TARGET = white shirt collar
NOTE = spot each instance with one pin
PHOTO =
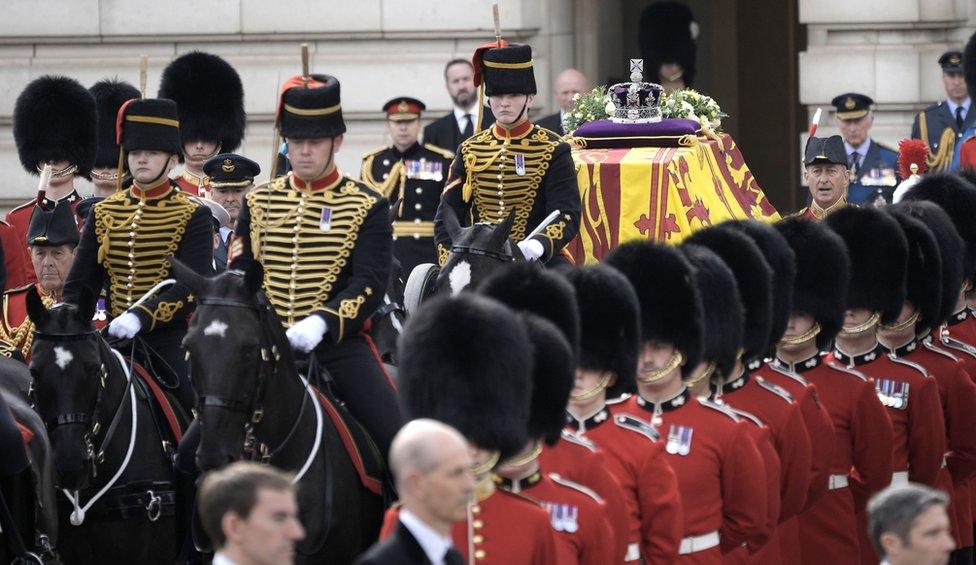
(863, 149)
(435, 545)
(459, 116)
(220, 558)
(965, 106)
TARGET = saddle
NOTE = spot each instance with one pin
(363, 453)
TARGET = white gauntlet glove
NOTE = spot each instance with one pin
(306, 334)
(531, 248)
(125, 326)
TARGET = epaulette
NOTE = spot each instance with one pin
(374, 152)
(793, 375)
(747, 415)
(482, 135)
(799, 213)
(620, 399)
(29, 203)
(843, 369)
(959, 345)
(19, 289)
(439, 150)
(911, 364)
(556, 478)
(553, 136)
(362, 185)
(938, 350)
(719, 408)
(570, 437)
(636, 425)
(775, 389)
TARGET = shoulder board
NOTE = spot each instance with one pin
(938, 350)
(439, 150)
(911, 364)
(635, 425)
(482, 135)
(959, 345)
(553, 136)
(748, 416)
(775, 389)
(799, 213)
(19, 289)
(885, 147)
(842, 369)
(719, 408)
(276, 183)
(620, 399)
(376, 151)
(795, 376)
(28, 204)
(556, 478)
(364, 186)
(570, 437)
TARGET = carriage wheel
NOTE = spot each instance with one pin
(420, 285)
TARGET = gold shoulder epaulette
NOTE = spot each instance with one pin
(376, 151)
(18, 289)
(439, 150)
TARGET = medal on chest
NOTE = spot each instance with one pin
(424, 170)
(519, 164)
(893, 394)
(679, 440)
(325, 221)
(563, 517)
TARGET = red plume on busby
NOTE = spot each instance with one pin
(912, 152)
(553, 374)
(55, 120)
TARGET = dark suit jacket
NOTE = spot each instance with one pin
(444, 133)
(938, 118)
(879, 171)
(552, 122)
(400, 548)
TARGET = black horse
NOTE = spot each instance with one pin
(252, 400)
(386, 324)
(110, 456)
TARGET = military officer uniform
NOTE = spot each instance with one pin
(209, 96)
(874, 165)
(234, 172)
(823, 150)
(522, 169)
(129, 237)
(413, 181)
(942, 124)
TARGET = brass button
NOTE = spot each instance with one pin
(478, 538)
(479, 554)
(477, 524)
(475, 509)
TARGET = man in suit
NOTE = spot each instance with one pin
(873, 166)
(449, 131)
(230, 177)
(568, 83)
(942, 124)
(910, 524)
(432, 468)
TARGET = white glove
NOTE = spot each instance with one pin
(306, 334)
(531, 248)
(125, 326)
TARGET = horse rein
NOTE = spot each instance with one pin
(496, 255)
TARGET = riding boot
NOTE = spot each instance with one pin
(186, 474)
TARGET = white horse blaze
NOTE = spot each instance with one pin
(217, 328)
(62, 357)
(460, 277)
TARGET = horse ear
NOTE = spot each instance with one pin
(500, 234)
(86, 305)
(451, 222)
(253, 277)
(196, 282)
(36, 310)
(394, 208)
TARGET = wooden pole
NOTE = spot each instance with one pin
(143, 71)
(498, 25)
(305, 75)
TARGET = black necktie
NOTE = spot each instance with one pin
(854, 161)
(453, 557)
(468, 127)
(959, 117)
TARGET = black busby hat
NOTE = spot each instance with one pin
(754, 277)
(670, 305)
(553, 374)
(851, 105)
(55, 120)
(527, 287)
(823, 270)
(879, 255)
(467, 361)
(230, 170)
(149, 124)
(667, 34)
(209, 97)
(55, 227)
(924, 272)
(505, 70)
(310, 109)
(951, 250)
(109, 95)
(969, 65)
(609, 324)
(403, 109)
(825, 150)
(724, 317)
(777, 252)
(958, 198)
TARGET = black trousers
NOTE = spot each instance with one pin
(168, 361)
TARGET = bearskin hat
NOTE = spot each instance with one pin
(777, 252)
(957, 197)
(209, 97)
(724, 317)
(924, 273)
(553, 375)
(879, 256)
(527, 287)
(109, 96)
(55, 120)
(670, 304)
(667, 35)
(951, 249)
(823, 272)
(754, 277)
(609, 324)
(969, 65)
(467, 361)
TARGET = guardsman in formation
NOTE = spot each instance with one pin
(54, 124)
(721, 473)
(942, 124)
(324, 241)
(129, 237)
(109, 96)
(451, 371)
(873, 166)
(826, 175)
(513, 167)
(231, 177)
(412, 177)
(210, 99)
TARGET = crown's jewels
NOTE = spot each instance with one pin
(636, 102)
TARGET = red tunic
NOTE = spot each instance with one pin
(650, 487)
(577, 515)
(579, 460)
(19, 220)
(719, 468)
(18, 268)
(193, 185)
(967, 154)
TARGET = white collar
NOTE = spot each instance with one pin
(220, 558)
(952, 106)
(863, 149)
(435, 545)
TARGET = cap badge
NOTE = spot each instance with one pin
(954, 60)
(228, 165)
(403, 106)
(849, 103)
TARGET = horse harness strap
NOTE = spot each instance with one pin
(497, 255)
(386, 309)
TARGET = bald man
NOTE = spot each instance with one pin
(431, 464)
(568, 83)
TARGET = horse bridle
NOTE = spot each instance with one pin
(496, 255)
